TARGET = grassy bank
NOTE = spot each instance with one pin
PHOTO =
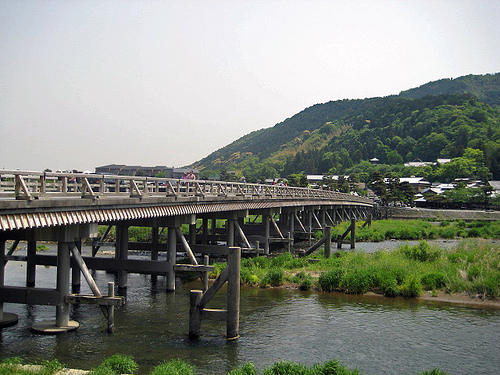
(472, 267)
(120, 364)
(382, 230)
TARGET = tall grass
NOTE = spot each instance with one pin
(382, 230)
(472, 267)
(13, 366)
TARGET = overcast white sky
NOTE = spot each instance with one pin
(89, 83)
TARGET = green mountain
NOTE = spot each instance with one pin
(440, 119)
(485, 87)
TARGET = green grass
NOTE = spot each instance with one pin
(473, 267)
(118, 362)
(14, 366)
(382, 230)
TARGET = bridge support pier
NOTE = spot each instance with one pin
(199, 299)
(62, 322)
(121, 253)
(31, 265)
(171, 257)
(6, 319)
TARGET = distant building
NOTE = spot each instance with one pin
(496, 188)
(417, 183)
(137, 170)
(419, 163)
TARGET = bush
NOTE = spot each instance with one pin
(435, 371)
(51, 367)
(120, 364)
(422, 252)
(411, 287)
(248, 277)
(287, 368)
(330, 280)
(306, 284)
(356, 281)
(332, 367)
(173, 367)
(274, 277)
(433, 280)
(391, 289)
(246, 369)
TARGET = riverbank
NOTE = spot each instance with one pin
(415, 213)
(467, 273)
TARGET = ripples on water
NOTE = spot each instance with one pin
(374, 334)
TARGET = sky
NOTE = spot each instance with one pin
(144, 82)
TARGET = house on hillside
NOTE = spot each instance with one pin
(496, 188)
(417, 183)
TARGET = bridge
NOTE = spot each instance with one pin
(67, 208)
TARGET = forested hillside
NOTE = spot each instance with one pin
(441, 119)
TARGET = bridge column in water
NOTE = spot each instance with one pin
(121, 253)
(171, 257)
(6, 319)
(66, 237)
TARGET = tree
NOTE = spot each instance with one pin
(379, 187)
(297, 179)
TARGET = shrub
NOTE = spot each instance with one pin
(286, 368)
(435, 371)
(356, 281)
(121, 364)
(306, 284)
(173, 367)
(51, 367)
(448, 232)
(422, 252)
(332, 367)
(330, 280)
(248, 277)
(246, 369)
(486, 285)
(411, 287)
(274, 277)
(433, 280)
(391, 289)
(102, 370)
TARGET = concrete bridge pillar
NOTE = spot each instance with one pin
(2, 273)
(171, 258)
(31, 265)
(204, 230)
(76, 275)
(121, 253)
(266, 221)
(6, 319)
(230, 231)
(192, 234)
(62, 283)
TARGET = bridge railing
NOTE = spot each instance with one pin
(23, 185)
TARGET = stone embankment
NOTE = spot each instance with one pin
(434, 214)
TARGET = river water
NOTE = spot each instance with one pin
(373, 334)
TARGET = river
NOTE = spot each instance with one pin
(373, 334)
